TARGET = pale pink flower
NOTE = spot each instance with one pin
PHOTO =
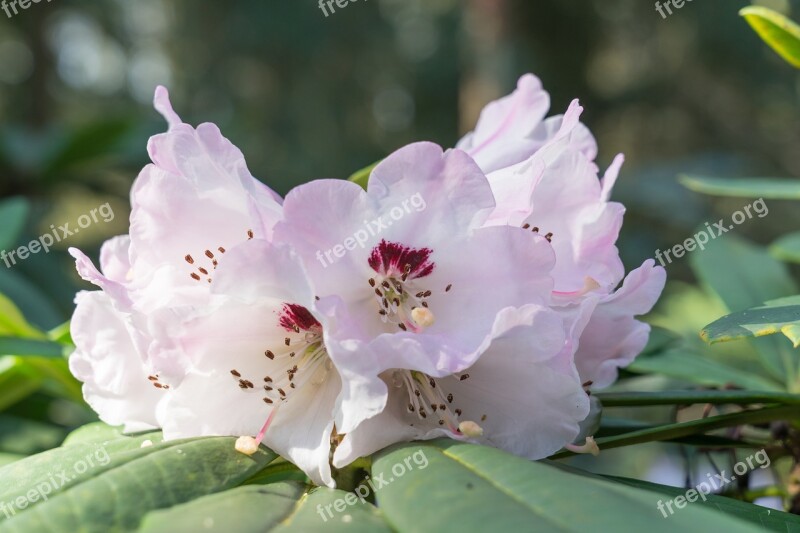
(423, 294)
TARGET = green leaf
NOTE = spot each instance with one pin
(780, 33)
(22, 436)
(16, 381)
(768, 519)
(475, 488)
(669, 432)
(31, 347)
(279, 507)
(111, 486)
(787, 248)
(690, 397)
(776, 316)
(31, 300)
(768, 188)
(91, 142)
(13, 214)
(694, 367)
(93, 433)
(13, 323)
(361, 177)
(744, 275)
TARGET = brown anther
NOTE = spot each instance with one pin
(287, 341)
(465, 376)
(195, 276)
(402, 326)
(221, 250)
(450, 398)
(267, 400)
(458, 412)
(203, 271)
(269, 354)
(250, 234)
(448, 288)
(189, 259)
(371, 282)
(432, 382)
(549, 237)
(236, 373)
(152, 378)
(526, 226)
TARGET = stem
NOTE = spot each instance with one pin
(684, 429)
(716, 397)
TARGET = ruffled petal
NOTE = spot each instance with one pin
(613, 337)
(114, 374)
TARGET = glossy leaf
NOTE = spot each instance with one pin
(475, 487)
(284, 506)
(695, 367)
(776, 316)
(787, 248)
(122, 482)
(767, 188)
(744, 275)
(780, 33)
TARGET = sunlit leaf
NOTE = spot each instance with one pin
(780, 33)
(776, 316)
(767, 188)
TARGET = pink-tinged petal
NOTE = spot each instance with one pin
(115, 259)
(452, 186)
(302, 430)
(613, 337)
(464, 315)
(519, 392)
(611, 175)
(196, 200)
(163, 105)
(113, 372)
(86, 269)
(566, 199)
(580, 137)
(502, 135)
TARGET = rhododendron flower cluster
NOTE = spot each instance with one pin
(487, 316)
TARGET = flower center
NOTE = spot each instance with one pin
(299, 360)
(427, 398)
(401, 296)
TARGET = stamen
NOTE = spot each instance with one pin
(423, 317)
(470, 429)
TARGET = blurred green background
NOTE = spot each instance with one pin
(308, 96)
